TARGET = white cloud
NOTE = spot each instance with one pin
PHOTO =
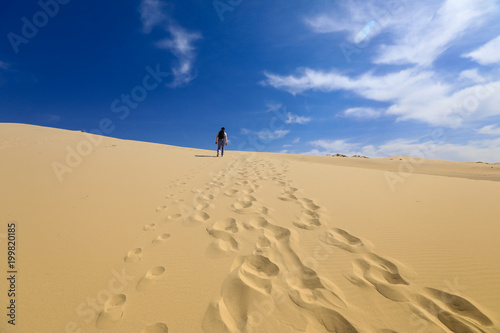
(423, 35)
(380, 88)
(479, 150)
(294, 119)
(266, 134)
(334, 146)
(489, 129)
(4, 65)
(454, 109)
(310, 79)
(487, 54)
(472, 75)
(296, 140)
(180, 43)
(325, 24)
(419, 32)
(484, 150)
(274, 107)
(414, 94)
(151, 14)
(368, 20)
(362, 113)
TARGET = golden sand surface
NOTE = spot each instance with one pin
(122, 236)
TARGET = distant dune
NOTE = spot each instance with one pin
(123, 236)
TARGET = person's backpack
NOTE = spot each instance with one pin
(221, 135)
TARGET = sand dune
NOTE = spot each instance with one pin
(123, 236)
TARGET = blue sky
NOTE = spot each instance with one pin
(375, 78)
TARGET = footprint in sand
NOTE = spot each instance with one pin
(288, 194)
(202, 206)
(260, 266)
(307, 222)
(460, 306)
(160, 239)
(455, 323)
(200, 217)
(173, 216)
(248, 198)
(149, 227)
(377, 278)
(230, 192)
(254, 223)
(223, 245)
(155, 328)
(279, 233)
(389, 270)
(228, 224)
(134, 255)
(310, 205)
(287, 197)
(208, 197)
(343, 240)
(112, 311)
(150, 278)
(224, 242)
(248, 204)
(160, 208)
(263, 243)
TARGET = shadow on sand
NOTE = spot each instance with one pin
(204, 156)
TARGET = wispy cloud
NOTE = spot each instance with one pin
(180, 41)
(181, 44)
(266, 134)
(473, 150)
(487, 54)
(362, 113)
(334, 146)
(309, 79)
(413, 94)
(272, 135)
(422, 36)
(151, 14)
(416, 35)
(352, 19)
(489, 130)
(295, 119)
(473, 75)
(4, 65)
(418, 32)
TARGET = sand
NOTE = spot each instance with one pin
(123, 236)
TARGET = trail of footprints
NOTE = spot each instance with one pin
(274, 278)
(114, 308)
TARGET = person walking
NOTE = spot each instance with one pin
(221, 141)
